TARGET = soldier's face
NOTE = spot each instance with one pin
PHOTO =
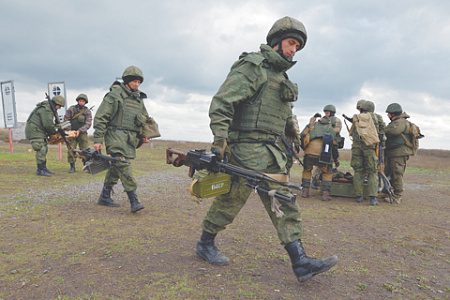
(327, 113)
(81, 102)
(134, 84)
(290, 46)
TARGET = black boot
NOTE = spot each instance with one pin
(306, 267)
(105, 197)
(41, 171)
(135, 204)
(207, 250)
(374, 201)
(359, 199)
(72, 168)
(48, 171)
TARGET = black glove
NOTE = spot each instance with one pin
(317, 115)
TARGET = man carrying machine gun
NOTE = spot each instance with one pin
(250, 114)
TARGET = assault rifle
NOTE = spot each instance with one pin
(198, 160)
(95, 161)
(383, 181)
(61, 126)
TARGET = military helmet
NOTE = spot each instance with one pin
(132, 73)
(370, 106)
(365, 106)
(394, 108)
(359, 103)
(330, 108)
(82, 97)
(59, 100)
(284, 28)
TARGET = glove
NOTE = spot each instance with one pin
(317, 115)
(221, 148)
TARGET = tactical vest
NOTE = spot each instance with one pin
(127, 112)
(394, 142)
(320, 130)
(34, 118)
(79, 121)
(265, 111)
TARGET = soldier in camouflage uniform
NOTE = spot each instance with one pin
(80, 118)
(397, 152)
(249, 114)
(118, 123)
(312, 139)
(364, 160)
(39, 127)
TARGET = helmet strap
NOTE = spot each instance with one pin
(280, 51)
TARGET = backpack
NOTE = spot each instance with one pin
(366, 128)
(415, 135)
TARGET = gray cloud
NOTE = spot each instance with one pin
(387, 51)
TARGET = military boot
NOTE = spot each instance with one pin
(135, 204)
(305, 192)
(48, 171)
(326, 196)
(72, 168)
(306, 267)
(41, 171)
(359, 199)
(207, 250)
(373, 201)
(105, 197)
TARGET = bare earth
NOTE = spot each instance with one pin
(57, 243)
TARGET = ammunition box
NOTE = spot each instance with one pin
(345, 189)
(206, 185)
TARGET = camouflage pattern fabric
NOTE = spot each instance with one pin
(124, 172)
(251, 149)
(309, 162)
(395, 167)
(82, 141)
(41, 150)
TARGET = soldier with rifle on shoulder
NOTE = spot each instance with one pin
(40, 126)
(249, 115)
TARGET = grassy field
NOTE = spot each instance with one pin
(56, 243)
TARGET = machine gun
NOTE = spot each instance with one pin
(383, 181)
(198, 160)
(95, 161)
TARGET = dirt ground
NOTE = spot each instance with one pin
(56, 243)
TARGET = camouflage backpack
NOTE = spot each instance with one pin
(415, 135)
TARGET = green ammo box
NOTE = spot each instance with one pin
(206, 185)
(345, 189)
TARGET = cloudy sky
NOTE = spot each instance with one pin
(384, 51)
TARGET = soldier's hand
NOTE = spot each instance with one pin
(98, 146)
(77, 133)
(145, 141)
(222, 148)
(317, 115)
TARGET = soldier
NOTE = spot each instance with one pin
(364, 157)
(312, 141)
(80, 118)
(397, 152)
(118, 123)
(249, 114)
(330, 111)
(39, 127)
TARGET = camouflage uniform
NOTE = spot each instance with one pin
(397, 153)
(259, 149)
(117, 123)
(81, 123)
(39, 127)
(364, 161)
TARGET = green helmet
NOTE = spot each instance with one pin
(365, 106)
(359, 103)
(394, 108)
(82, 97)
(132, 73)
(59, 100)
(330, 108)
(370, 106)
(284, 28)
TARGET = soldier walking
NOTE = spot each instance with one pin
(249, 114)
(118, 123)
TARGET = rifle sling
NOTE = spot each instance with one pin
(79, 113)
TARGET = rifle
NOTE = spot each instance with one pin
(58, 123)
(290, 150)
(383, 181)
(198, 160)
(95, 161)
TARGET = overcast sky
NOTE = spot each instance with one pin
(384, 51)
